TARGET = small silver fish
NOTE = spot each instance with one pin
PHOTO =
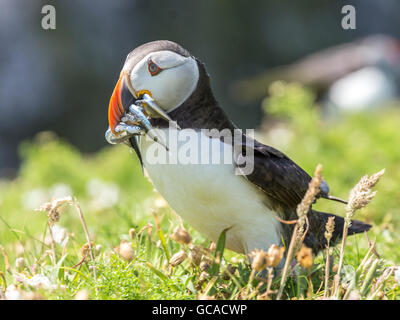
(133, 123)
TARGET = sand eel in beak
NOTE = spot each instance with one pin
(164, 83)
(134, 120)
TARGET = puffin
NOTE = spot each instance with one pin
(249, 193)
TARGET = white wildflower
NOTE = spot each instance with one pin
(32, 199)
(60, 234)
(280, 135)
(12, 293)
(160, 203)
(39, 281)
(104, 195)
(20, 263)
(82, 295)
(60, 190)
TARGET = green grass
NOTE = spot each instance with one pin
(115, 197)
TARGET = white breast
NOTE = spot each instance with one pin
(210, 197)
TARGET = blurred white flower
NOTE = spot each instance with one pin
(20, 263)
(386, 234)
(32, 199)
(104, 195)
(12, 293)
(60, 190)
(19, 249)
(82, 295)
(39, 281)
(160, 203)
(60, 234)
(280, 136)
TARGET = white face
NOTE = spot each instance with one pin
(169, 77)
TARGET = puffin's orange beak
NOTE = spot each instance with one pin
(125, 95)
(115, 108)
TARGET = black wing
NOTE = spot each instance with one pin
(282, 180)
(285, 184)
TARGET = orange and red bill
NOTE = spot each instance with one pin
(115, 108)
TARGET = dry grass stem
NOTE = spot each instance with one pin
(287, 262)
(148, 227)
(359, 197)
(82, 218)
(132, 233)
(52, 244)
(304, 207)
(6, 260)
(53, 209)
(329, 227)
(298, 232)
(267, 294)
(372, 246)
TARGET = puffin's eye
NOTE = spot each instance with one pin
(153, 68)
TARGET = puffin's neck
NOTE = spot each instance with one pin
(200, 110)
